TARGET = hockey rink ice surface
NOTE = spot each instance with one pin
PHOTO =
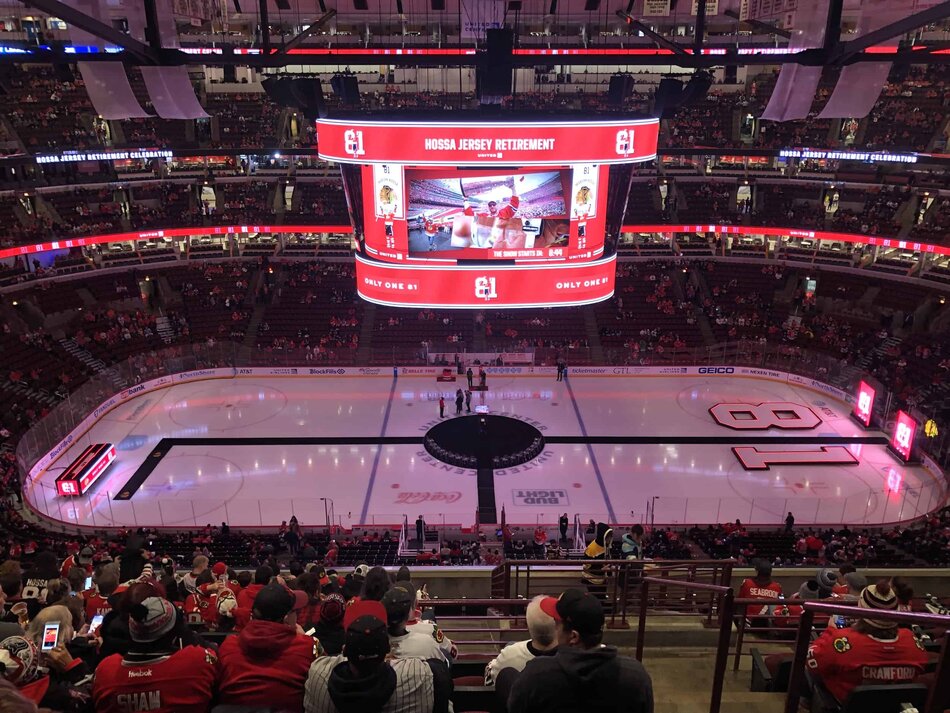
(255, 450)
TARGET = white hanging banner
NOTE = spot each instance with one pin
(656, 8)
(712, 7)
(860, 84)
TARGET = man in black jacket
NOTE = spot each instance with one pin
(366, 679)
(585, 675)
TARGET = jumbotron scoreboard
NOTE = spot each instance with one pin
(476, 214)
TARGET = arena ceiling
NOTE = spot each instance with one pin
(690, 33)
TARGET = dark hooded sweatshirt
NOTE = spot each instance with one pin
(592, 681)
(265, 665)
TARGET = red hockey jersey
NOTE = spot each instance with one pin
(845, 659)
(180, 683)
(751, 589)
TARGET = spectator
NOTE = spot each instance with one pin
(57, 687)
(543, 642)
(762, 586)
(12, 701)
(104, 585)
(584, 675)
(632, 543)
(399, 603)
(842, 587)
(375, 584)
(872, 651)
(262, 577)
(267, 663)
(365, 679)
(855, 583)
(328, 629)
(160, 672)
(826, 579)
(190, 580)
(904, 593)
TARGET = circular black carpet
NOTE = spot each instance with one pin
(484, 441)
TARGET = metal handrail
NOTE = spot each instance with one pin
(939, 694)
(726, 612)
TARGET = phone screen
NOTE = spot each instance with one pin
(88, 584)
(96, 622)
(50, 636)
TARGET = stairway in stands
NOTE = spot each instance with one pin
(94, 363)
(593, 336)
(364, 352)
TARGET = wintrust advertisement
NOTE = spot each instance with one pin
(485, 286)
(485, 143)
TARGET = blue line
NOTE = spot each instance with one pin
(590, 452)
(379, 451)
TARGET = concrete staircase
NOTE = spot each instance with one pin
(250, 336)
(367, 327)
(593, 336)
(93, 363)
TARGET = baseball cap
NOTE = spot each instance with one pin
(219, 569)
(226, 603)
(19, 659)
(398, 603)
(85, 555)
(579, 610)
(366, 639)
(368, 608)
(361, 570)
(332, 609)
(275, 601)
(152, 619)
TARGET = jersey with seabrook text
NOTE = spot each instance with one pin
(751, 589)
(182, 682)
(845, 659)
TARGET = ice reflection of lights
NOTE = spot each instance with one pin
(894, 479)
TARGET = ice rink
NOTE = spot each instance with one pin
(254, 450)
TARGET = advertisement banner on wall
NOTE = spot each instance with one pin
(482, 143)
(485, 286)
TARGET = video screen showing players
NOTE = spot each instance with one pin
(479, 213)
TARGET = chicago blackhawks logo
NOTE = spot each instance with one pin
(842, 645)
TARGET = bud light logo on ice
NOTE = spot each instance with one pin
(485, 288)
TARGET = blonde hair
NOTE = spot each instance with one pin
(57, 614)
(386, 194)
(583, 195)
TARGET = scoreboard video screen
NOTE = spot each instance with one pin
(476, 214)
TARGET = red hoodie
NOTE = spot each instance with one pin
(265, 665)
(246, 597)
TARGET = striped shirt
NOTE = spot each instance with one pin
(414, 693)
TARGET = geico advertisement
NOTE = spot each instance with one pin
(481, 287)
(509, 143)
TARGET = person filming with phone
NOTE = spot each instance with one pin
(40, 665)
